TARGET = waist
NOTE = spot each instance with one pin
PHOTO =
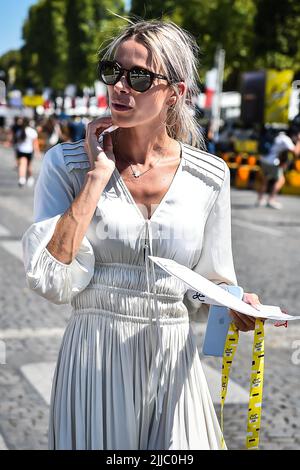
(132, 278)
(122, 288)
(115, 316)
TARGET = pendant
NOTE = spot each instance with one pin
(136, 174)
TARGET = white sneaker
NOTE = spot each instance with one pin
(22, 181)
(30, 181)
(260, 203)
(274, 204)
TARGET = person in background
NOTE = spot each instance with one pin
(13, 135)
(209, 138)
(53, 130)
(273, 165)
(76, 129)
(26, 144)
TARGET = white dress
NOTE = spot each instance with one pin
(128, 374)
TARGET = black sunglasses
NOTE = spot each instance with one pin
(138, 78)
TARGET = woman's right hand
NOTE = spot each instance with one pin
(102, 160)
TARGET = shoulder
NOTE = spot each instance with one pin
(31, 132)
(62, 161)
(287, 140)
(206, 165)
(73, 155)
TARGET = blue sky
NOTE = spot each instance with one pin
(12, 16)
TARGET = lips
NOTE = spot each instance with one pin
(120, 106)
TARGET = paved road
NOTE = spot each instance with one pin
(267, 259)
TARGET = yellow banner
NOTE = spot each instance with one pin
(277, 95)
(33, 101)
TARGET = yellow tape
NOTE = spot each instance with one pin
(256, 381)
(256, 386)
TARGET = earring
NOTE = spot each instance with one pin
(172, 105)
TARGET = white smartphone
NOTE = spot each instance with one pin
(217, 325)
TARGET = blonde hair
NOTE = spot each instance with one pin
(175, 51)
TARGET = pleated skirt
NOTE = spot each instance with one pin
(99, 398)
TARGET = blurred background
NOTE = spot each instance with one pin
(248, 110)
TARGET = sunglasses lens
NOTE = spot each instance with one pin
(140, 79)
(109, 73)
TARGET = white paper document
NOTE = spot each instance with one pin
(210, 293)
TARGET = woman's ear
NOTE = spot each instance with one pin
(181, 88)
(177, 93)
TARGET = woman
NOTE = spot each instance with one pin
(128, 374)
(27, 143)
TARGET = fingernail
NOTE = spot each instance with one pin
(256, 306)
(110, 129)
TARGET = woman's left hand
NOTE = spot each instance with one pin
(245, 322)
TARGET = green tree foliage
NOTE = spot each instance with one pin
(88, 23)
(153, 9)
(254, 33)
(44, 54)
(62, 37)
(11, 60)
(80, 27)
(277, 40)
(225, 23)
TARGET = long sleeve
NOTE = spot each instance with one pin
(216, 260)
(45, 275)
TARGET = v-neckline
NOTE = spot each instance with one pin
(158, 207)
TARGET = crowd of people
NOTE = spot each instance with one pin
(30, 138)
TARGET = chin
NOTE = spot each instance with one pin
(122, 121)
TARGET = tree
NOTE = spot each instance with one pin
(224, 23)
(8, 61)
(213, 23)
(87, 23)
(62, 37)
(44, 52)
(276, 40)
(80, 28)
(155, 9)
